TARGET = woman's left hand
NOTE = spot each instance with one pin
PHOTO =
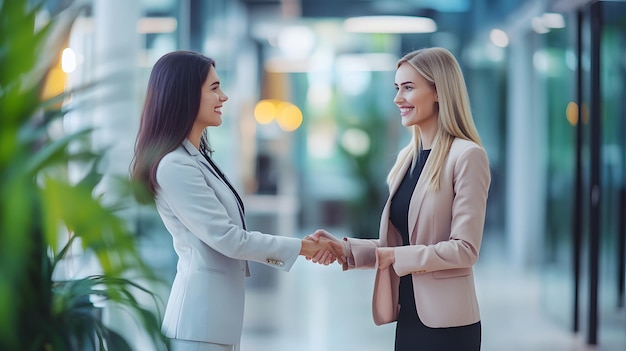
(385, 257)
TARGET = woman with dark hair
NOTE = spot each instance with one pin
(200, 207)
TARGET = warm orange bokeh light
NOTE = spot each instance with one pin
(265, 111)
(287, 115)
(571, 113)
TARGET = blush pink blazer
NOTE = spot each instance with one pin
(446, 230)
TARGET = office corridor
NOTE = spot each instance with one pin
(318, 308)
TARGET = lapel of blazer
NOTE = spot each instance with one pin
(395, 183)
(195, 153)
(384, 223)
(419, 193)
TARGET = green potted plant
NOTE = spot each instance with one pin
(43, 213)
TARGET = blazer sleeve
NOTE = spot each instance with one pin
(362, 253)
(471, 180)
(183, 187)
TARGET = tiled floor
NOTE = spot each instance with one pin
(318, 308)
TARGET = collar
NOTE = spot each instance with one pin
(191, 149)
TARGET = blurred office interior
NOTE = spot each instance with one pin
(311, 130)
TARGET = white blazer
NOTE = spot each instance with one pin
(206, 302)
(446, 230)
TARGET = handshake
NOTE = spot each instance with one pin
(324, 248)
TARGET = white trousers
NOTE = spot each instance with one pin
(188, 345)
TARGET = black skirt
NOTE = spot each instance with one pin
(413, 335)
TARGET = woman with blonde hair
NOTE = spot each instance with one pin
(432, 224)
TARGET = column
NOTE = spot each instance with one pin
(526, 165)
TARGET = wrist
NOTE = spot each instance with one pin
(347, 249)
(306, 248)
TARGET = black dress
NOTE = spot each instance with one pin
(411, 333)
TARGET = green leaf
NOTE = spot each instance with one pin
(39, 206)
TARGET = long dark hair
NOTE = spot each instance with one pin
(169, 111)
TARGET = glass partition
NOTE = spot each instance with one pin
(583, 258)
(612, 160)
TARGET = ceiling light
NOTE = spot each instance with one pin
(278, 64)
(553, 20)
(389, 24)
(153, 25)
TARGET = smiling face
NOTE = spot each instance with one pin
(211, 100)
(416, 98)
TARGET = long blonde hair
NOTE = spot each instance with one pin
(439, 67)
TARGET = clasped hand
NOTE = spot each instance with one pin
(385, 256)
(322, 247)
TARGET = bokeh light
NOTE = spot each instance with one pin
(287, 115)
